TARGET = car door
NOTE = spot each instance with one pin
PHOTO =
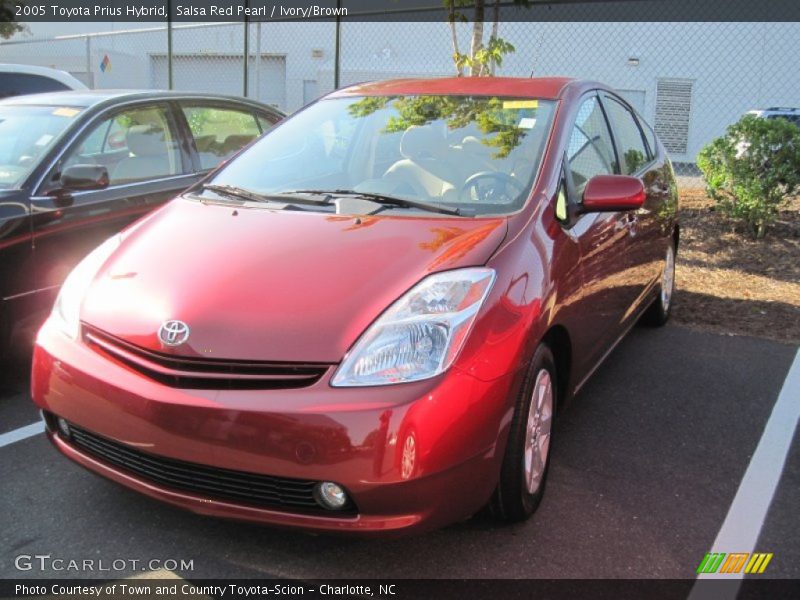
(16, 269)
(219, 130)
(602, 237)
(147, 163)
(644, 253)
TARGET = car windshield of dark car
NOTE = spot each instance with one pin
(26, 134)
(479, 154)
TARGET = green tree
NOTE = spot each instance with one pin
(500, 127)
(482, 58)
(634, 159)
(8, 12)
(753, 169)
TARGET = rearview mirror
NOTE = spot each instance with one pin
(80, 178)
(611, 193)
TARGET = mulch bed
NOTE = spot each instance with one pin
(730, 283)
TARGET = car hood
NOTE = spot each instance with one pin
(272, 285)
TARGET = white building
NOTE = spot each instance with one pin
(690, 80)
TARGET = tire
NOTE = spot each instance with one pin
(5, 337)
(522, 484)
(657, 314)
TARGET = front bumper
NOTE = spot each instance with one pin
(357, 437)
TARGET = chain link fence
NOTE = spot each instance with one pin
(690, 80)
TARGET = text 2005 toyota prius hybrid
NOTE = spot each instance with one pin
(367, 320)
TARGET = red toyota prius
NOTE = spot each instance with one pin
(367, 320)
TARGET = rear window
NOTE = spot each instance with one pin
(19, 84)
(220, 132)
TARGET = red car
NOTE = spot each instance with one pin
(366, 321)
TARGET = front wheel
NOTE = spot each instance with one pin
(658, 312)
(527, 457)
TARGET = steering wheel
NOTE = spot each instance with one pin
(491, 187)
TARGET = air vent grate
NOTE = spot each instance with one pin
(673, 113)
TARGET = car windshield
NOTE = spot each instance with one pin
(478, 155)
(26, 133)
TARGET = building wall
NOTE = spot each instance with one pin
(733, 67)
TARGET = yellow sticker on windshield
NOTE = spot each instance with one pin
(65, 112)
(520, 104)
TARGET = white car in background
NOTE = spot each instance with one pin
(774, 112)
(18, 80)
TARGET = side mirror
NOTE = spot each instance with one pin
(81, 178)
(611, 193)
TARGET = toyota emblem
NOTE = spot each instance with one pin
(173, 333)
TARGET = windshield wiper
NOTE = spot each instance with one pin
(234, 191)
(251, 196)
(384, 199)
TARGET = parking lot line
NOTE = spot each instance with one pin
(746, 515)
(22, 433)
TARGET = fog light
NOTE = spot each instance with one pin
(330, 495)
(63, 427)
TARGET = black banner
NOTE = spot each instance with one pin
(395, 10)
(413, 589)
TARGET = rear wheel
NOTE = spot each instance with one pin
(658, 312)
(527, 458)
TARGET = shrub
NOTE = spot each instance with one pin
(753, 169)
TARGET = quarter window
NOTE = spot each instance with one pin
(590, 151)
(628, 136)
(651, 137)
(135, 145)
(220, 132)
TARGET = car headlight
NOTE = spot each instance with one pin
(66, 311)
(421, 334)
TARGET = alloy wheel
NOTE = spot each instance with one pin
(668, 278)
(537, 433)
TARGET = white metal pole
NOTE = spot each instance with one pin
(258, 61)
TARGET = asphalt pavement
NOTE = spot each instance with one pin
(646, 463)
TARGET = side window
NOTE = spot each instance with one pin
(590, 151)
(18, 84)
(135, 145)
(220, 132)
(651, 137)
(628, 136)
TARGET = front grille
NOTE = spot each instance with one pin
(264, 491)
(202, 373)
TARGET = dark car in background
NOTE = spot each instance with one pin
(78, 166)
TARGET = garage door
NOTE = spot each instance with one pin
(222, 74)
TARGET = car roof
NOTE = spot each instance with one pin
(97, 98)
(55, 74)
(533, 87)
